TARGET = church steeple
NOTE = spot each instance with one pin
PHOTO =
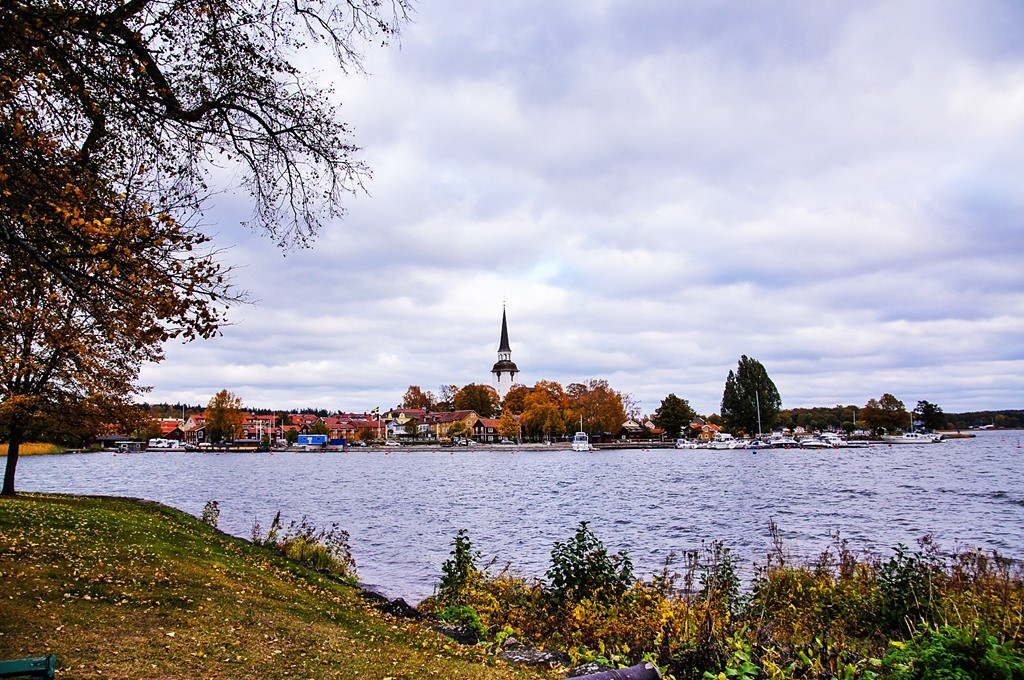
(504, 370)
(503, 348)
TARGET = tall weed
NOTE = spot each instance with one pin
(325, 549)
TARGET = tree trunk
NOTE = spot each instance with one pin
(13, 445)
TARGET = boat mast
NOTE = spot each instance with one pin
(757, 401)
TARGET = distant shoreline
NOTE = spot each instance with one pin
(42, 449)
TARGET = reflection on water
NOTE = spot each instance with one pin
(403, 508)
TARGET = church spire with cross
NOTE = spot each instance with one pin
(504, 370)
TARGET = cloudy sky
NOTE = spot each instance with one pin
(654, 188)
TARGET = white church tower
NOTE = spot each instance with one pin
(504, 370)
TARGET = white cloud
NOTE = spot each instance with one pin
(656, 188)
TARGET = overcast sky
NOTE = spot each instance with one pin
(655, 188)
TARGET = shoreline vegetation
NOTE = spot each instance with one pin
(126, 588)
(918, 613)
(35, 449)
(46, 449)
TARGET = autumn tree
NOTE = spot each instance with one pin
(223, 417)
(750, 400)
(887, 413)
(480, 398)
(508, 426)
(541, 416)
(674, 415)
(165, 90)
(554, 391)
(542, 410)
(515, 397)
(112, 115)
(459, 429)
(417, 398)
(599, 405)
(76, 338)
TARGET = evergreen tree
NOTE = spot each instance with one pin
(750, 397)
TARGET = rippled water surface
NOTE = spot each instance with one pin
(403, 508)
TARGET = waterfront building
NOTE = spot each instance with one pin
(504, 370)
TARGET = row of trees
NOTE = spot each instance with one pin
(887, 413)
(1010, 419)
(546, 410)
(751, 404)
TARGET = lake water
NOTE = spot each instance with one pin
(402, 509)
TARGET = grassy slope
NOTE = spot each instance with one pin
(124, 589)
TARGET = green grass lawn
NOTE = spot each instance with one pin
(125, 589)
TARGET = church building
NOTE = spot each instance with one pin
(504, 370)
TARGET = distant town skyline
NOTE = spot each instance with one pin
(835, 190)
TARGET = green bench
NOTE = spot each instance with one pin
(39, 667)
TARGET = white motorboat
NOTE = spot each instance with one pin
(784, 442)
(834, 439)
(686, 444)
(839, 442)
(912, 438)
(581, 442)
(814, 443)
(723, 440)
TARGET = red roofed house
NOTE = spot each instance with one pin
(171, 428)
(705, 431)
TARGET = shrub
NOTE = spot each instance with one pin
(211, 513)
(953, 653)
(459, 574)
(908, 589)
(463, 616)
(581, 568)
